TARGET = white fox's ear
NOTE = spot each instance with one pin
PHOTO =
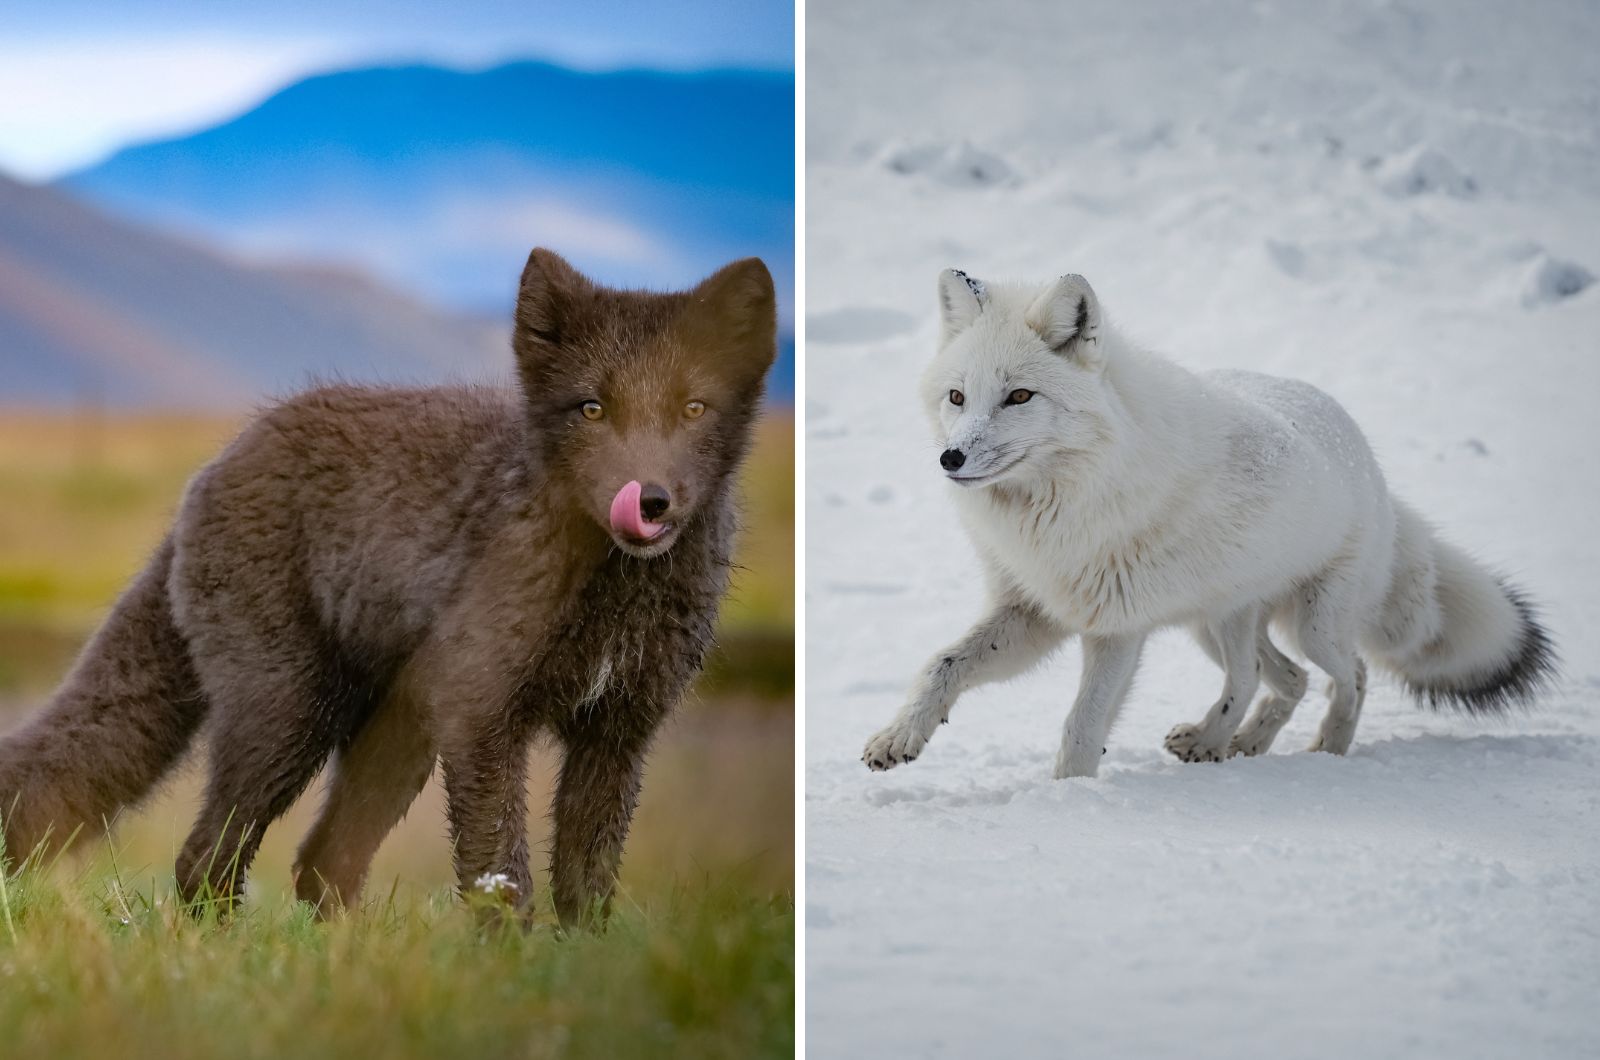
(961, 299)
(1067, 317)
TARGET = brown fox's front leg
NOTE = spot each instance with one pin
(482, 719)
(485, 774)
(594, 804)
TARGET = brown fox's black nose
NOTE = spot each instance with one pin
(654, 501)
(952, 459)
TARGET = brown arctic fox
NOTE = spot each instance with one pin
(390, 576)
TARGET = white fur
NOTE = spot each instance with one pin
(1128, 494)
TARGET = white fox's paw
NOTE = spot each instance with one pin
(901, 742)
(1082, 764)
(1253, 742)
(1255, 736)
(1189, 743)
(1078, 756)
(1335, 738)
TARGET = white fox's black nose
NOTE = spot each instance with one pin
(654, 501)
(952, 459)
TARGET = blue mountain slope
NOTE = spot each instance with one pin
(730, 131)
(93, 309)
(439, 181)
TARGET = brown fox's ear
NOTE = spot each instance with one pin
(734, 313)
(544, 298)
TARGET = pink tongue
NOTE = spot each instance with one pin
(626, 517)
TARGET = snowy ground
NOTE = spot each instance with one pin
(1394, 201)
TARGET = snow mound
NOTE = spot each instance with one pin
(1551, 280)
(1288, 257)
(1424, 171)
(960, 165)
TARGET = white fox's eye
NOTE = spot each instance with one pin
(694, 409)
(957, 398)
(1018, 397)
(591, 410)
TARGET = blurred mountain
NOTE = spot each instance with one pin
(98, 309)
(439, 181)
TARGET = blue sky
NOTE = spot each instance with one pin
(79, 78)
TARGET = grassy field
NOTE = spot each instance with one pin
(95, 959)
(90, 968)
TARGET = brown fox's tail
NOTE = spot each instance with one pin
(121, 719)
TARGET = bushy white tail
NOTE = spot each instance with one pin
(1454, 632)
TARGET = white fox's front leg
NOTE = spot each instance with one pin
(1108, 667)
(1008, 641)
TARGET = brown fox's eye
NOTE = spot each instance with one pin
(592, 410)
(957, 398)
(694, 409)
(1018, 397)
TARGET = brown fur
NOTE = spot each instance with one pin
(386, 576)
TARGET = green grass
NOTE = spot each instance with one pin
(93, 966)
(96, 959)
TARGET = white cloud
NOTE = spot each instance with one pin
(69, 102)
(521, 222)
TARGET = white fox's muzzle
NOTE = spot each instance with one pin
(972, 458)
(964, 475)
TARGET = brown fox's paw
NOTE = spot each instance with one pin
(1188, 743)
(901, 742)
(499, 902)
(578, 916)
(204, 897)
(495, 919)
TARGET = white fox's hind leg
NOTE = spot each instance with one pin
(1324, 623)
(1008, 641)
(1345, 697)
(1232, 642)
(1286, 685)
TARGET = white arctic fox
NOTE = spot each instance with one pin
(1111, 493)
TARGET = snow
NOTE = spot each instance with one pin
(1394, 201)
